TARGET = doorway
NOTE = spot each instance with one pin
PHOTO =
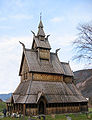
(41, 107)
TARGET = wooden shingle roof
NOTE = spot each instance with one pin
(55, 92)
(54, 66)
(67, 69)
(41, 44)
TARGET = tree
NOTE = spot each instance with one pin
(83, 44)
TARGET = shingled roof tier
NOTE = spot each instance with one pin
(41, 44)
(53, 66)
(27, 92)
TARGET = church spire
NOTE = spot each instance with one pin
(40, 29)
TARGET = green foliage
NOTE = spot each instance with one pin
(2, 106)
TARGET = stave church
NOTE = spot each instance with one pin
(46, 84)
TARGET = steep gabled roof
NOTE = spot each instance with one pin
(67, 69)
(41, 44)
(53, 67)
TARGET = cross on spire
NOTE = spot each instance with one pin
(40, 16)
(40, 27)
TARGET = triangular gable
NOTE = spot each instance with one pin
(12, 100)
(23, 61)
(34, 45)
(40, 94)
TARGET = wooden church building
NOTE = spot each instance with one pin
(46, 85)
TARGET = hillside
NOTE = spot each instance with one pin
(4, 97)
(84, 81)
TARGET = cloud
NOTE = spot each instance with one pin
(19, 3)
(16, 17)
(76, 66)
(10, 52)
(8, 42)
(21, 16)
(5, 27)
(63, 40)
(57, 19)
(3, 18)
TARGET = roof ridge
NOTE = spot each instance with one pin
(28, 90)
(32, 50)
(65, 62)
(53, 53)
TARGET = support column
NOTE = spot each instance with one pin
(80, 107)
(18, 107)
(12, 107)
(24, 109)
(7, 106)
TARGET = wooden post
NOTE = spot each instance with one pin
(7, 106)
(12, 107)
(24, 109)
(15, 107)
(18, 108)
(80, 107)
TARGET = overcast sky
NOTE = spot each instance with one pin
(18, 17)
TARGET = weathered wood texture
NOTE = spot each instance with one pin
(47, 77)
(68, 79)
(57, 110)
(44, 54)
(24, 67)
(24, 71)
(34, 46)
(31, 111)
(42, 77)
(54, 110)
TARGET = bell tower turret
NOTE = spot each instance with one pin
(41, 43)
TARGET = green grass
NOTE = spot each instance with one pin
(9, 118)
(77, 116)
(90, 109)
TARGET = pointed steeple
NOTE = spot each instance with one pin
(40, 29)
(40, 24)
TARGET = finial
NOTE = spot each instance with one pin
(33, 32)
(57, 50)
(40, 16)
(47, 37)
(22, 44)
